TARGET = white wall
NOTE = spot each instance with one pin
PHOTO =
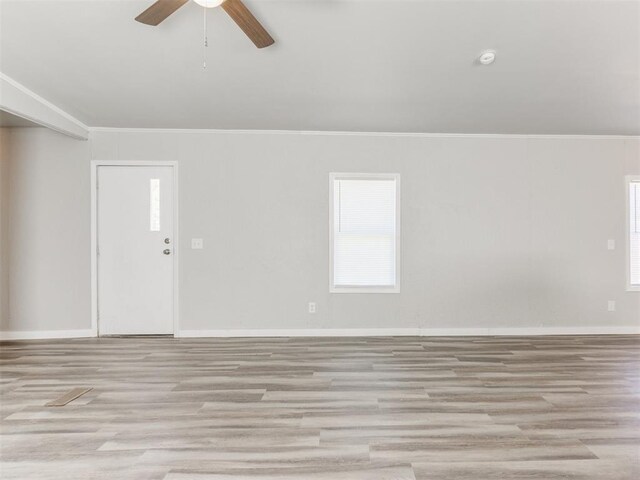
(498, 232)
(4, 223)
(505, 232)
(48, 235)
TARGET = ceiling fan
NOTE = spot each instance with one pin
(159, 11)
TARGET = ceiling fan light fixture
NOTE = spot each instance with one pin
(209, 3)
(239, 13)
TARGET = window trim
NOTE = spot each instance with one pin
(359, 288)
(629, 179)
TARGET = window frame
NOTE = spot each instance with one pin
(629, 179)
(333, 176)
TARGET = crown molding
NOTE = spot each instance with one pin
(18, 100)
(356, 134)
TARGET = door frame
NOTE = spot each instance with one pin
(95, 324)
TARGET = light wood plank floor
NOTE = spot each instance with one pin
(565, 407)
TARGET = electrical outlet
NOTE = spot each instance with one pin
(611, 244)
(312, 307)
(197, 244)
(611, 305)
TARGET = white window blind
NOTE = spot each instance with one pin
(634, 233)
(365, 228)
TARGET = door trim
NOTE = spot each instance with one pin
(95, 324)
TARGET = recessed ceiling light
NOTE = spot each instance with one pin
(487, 57)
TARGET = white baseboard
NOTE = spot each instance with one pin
(45, 334)
(304, 332)
(345, 332)
(413, 332)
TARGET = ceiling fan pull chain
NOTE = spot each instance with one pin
(206, 41)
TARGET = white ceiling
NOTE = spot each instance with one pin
(563, 67)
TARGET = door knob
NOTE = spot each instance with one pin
(166, 251)
(167, 241)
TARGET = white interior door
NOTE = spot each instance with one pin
(135, 250)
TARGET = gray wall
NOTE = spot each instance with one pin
(48, 236)
(497, 232)
(4, 224)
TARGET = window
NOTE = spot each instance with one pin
(365, 233)
(633, 250)
(154, 205)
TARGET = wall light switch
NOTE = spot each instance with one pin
(197, 244)
(611, 244)
(611, 305)
(312, 307)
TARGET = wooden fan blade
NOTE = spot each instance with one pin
(159, 11)
(248, 23)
